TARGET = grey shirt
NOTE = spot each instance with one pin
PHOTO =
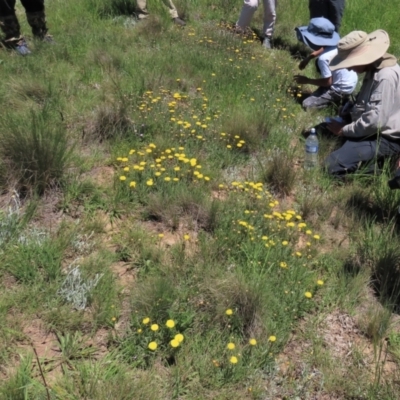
(377, 109)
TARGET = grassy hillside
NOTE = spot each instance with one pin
(159, 237)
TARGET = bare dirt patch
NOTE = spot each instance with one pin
(338, 338)
(48, 216)
(124, 273)
(102, 175)
(46, 345)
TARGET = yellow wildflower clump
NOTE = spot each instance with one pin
(152, 346)
(170, 323)
(174, 343)
(179, 337)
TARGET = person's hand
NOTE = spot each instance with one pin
(336, 127)
(303, 63)
(345, 110)
(300, 79)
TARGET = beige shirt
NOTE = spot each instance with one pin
(377, 109)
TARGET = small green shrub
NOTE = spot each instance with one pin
(34, 260)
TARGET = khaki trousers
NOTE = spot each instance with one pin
(143, 13)
(250, 7)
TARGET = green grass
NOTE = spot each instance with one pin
(168, 162)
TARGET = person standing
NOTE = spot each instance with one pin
(10, 27)
(143, 13)
(329, 9)
(246, 15)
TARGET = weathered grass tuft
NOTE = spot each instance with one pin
(279, 173)
(181, 205)
(35, 149)
(245, 299)
(110, 121)
(377, 249)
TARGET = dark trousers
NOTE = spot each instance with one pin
(354, 154)
(329, 9)
(7, 7)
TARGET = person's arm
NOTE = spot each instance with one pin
(303, 80)
(311, 56)
(376, 112)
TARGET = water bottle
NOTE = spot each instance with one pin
(311, 158)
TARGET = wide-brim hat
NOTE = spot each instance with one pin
(360, 48)
(319, 32)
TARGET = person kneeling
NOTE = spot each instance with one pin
(374, 130)
(333, 87)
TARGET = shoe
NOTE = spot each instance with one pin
(22, 48)
(178, 21)
(48, 39)
(267, 43)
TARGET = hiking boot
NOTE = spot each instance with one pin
(48, 39)
(13, 39)
(178, 21)
(22, 48)
(267, 42)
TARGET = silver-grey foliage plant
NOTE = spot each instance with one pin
(76, 290)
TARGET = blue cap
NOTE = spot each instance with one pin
(320, 32)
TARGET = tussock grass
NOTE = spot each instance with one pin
(109, 122)
(35, 150)
(195, 207)
(279, 173)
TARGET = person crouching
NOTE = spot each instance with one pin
(333, 87)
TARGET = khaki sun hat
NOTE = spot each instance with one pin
(360, 48)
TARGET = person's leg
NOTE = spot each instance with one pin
(318, 8)
(336, 9)
(173, 12)
(171, 8)
(142, 9)
(269, 17)
(321, 98)
(8, 22)
(269, 22)
(33, 6)
(143, 12)
(246, 15)
(36, 17)
(10, 27)
(353, 154)
(7, 7)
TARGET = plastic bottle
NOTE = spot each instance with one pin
(311, 156)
